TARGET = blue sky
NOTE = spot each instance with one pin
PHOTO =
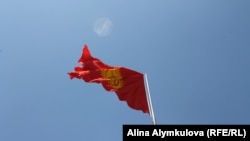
(195, 54)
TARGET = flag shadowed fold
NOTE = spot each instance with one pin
(126, 83)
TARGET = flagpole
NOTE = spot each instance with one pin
(151, 111)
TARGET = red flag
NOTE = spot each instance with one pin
(126, 83)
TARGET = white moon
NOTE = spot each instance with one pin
(103, 26)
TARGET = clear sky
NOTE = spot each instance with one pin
(196, 54)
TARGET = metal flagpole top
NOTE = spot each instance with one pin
(151, 111)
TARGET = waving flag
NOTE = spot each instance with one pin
(126, 83)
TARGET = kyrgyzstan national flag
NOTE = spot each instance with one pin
(126, 83)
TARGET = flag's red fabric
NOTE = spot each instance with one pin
(126, 83)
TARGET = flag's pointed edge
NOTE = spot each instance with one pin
(85, 54)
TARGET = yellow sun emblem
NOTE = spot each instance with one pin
(114, 77)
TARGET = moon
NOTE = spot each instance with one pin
(103, 26)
